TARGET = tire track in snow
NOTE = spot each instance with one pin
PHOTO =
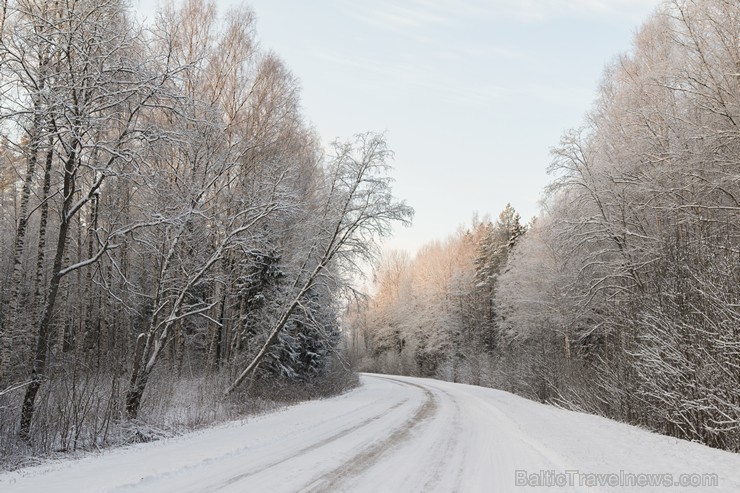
(443, 453)
(320, 443)
(263, 467)
(358, 463)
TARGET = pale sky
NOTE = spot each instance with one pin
(471, 94)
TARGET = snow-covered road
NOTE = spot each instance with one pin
(399, 434)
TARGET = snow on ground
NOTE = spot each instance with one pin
(400, 434)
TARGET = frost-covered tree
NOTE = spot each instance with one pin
(645, 201)
(622, 299)
(164, 206)
(433, 314)
(355, 207)
(78, 84)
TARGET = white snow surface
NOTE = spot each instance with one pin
(396, 434)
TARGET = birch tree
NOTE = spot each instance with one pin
(355, 209)
(233, 178)
(78, 75)
(647, 195)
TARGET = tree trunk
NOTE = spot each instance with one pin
(41, 250)
(9, 323)
(134, 395)
(43, 339)
(45, 324)
(138, 379)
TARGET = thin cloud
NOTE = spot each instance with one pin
(396, 17)
(422, 14)
(557, 95)
(402, 76)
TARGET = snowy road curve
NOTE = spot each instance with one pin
(398, 434)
